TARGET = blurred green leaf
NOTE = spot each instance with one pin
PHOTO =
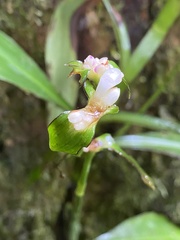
(153, 39)
(59, 50)
(146, 226)
(121, 34)
(166, 143)
(64, 138)
(143, 121)
(18, 68)
(133, 64)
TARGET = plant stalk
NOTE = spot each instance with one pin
(75, 227)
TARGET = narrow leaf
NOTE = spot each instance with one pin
(153, 39)
(143, 121)
(59, 50)
(18, 68)
(121, 34)
(165, 143)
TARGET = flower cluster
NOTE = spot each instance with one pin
(73, 130)
(96, 66)
(104, 96)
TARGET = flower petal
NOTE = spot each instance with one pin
(82, 118)
(111, 97)
(109, 79)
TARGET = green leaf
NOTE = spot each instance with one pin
(64, 138)
(59, 50)
(166, 143)
(121, 34)
(146, 226)
(143, 121)
(19, 69)
(153, 39)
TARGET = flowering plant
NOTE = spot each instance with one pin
(73, 130)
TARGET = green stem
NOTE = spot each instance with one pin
(144, 176)
(74, 229)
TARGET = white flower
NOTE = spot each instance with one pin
(105, 95)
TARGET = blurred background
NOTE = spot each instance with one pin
(33, 181)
